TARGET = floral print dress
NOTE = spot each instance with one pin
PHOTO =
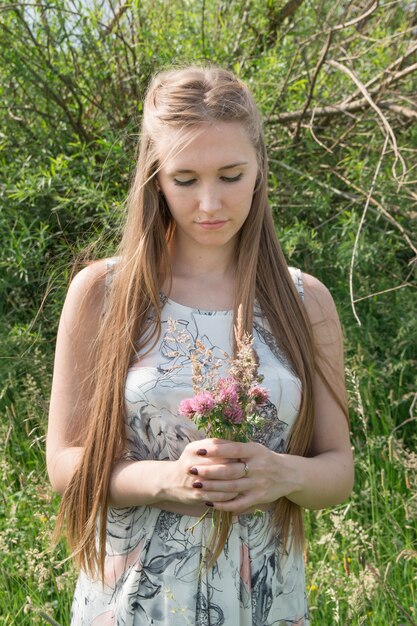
(153, 571)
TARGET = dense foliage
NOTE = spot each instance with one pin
(337, 84)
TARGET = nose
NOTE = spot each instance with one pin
(209, 199)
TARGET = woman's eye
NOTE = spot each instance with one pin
(231, 179)
(191, 181)
(184, 183)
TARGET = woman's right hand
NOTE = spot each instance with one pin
(185, 484)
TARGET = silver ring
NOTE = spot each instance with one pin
(245, 469)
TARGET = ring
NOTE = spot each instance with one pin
(245, 469)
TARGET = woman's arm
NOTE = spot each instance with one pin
(133, 483)
(68, 416)
(323, 478)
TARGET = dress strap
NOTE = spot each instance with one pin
(297, 276)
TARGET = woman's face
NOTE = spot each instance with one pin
(209, 184)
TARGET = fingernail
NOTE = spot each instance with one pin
(202, 452)
(194, 471)
(197, 484)
(209, 503)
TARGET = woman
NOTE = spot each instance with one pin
(135, 475)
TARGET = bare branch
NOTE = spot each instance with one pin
(358, 233)
(242, 28)
(350, 197)
(67, 81)
(333, 110)
(381, 293)
(393, 77)
(318, 67)
(398, 75)
(396, 108)
(382, 209)
(352, 104)
(294, 170)
(283, 87)
(310, 127)
(288, 10)
(276, 18)
(357, 20)
(386, 124)
(54, 95)
(19, 5)
(116, 18)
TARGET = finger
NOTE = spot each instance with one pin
(239, 505)
(211, 460)
(223, 471)
(220, 448)
(216, 496)
(223, 486)
(205, 444)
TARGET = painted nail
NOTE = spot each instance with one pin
(209, 503)
(194, 471)
(197, 484)
(202, 452)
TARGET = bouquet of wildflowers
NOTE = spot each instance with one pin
(225, 407)
(228, 410)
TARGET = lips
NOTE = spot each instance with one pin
(212, 225)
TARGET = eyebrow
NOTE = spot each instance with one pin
(224, 167)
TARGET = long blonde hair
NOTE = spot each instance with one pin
(181, 100)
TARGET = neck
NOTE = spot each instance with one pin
(203, 279)
(193, 263)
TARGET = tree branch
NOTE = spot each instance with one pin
(401, 110)
(318, 67)
(333, 110)
(275, 19)
(116, 18)
(294, 170)
(350, 197)
(288, 10)
(361, 223)
(386, 124)
(382, 209)
(388, 70)
(357, 20)
(352, 104)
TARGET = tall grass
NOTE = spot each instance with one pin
(361, 556)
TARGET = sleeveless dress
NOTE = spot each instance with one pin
(153, 573)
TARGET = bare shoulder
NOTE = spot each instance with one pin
(90, 277)
(85, 297)
(318, 301)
